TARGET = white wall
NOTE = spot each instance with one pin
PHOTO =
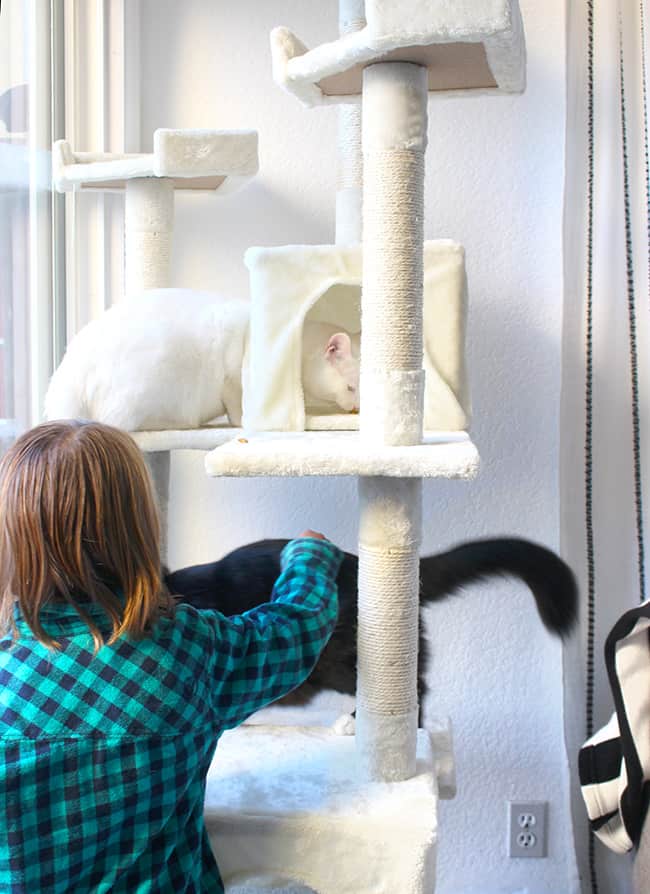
(615, 572)
(494, 182)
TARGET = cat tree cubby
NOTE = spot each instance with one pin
(290, 283)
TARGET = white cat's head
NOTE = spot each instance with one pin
(335, 377)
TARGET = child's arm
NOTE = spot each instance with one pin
(265, 653)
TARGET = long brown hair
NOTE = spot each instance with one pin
(78, 523)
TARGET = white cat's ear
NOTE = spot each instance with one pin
(339, 347)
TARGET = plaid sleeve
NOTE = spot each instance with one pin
(263, 654)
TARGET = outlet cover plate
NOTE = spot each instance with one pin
(527, 828)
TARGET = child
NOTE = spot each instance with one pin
(112, 698)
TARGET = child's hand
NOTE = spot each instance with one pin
(313, 534)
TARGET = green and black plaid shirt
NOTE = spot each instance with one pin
(103, 757)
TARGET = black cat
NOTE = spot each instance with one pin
(245, 577)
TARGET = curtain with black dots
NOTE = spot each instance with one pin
(605, 418)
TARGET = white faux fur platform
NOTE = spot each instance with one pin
(211, 436)
(185, 439)
(301, 814)
(281, 454)
(221, 160)
(468, 46)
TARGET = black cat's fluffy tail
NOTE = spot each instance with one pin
(549, 578)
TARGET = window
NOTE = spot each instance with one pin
(26, 213)
(68, 69)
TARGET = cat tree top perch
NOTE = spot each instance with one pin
(468, 46)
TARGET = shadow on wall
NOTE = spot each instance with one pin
(514, 375)
(235, 223)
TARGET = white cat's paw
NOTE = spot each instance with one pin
(344, 725)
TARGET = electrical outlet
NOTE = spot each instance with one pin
(527, 828)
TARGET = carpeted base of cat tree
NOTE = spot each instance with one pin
(302, 815)
(442, 455)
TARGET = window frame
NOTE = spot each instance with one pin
(101, 53)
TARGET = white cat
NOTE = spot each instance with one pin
(172, 359)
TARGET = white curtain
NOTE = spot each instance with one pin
(605, 413)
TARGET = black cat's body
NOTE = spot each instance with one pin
(244, 579)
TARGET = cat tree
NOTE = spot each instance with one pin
(364, 819)
(356, 815)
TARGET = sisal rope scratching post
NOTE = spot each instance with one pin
(148, 230)
(392, 389)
